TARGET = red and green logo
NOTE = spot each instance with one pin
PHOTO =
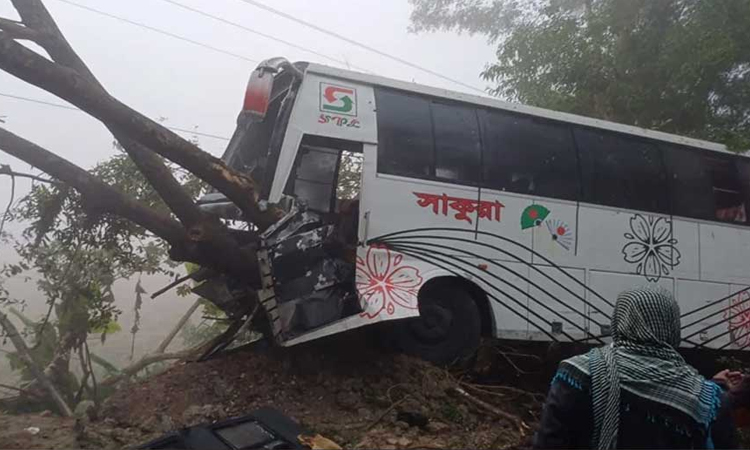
(338, 99)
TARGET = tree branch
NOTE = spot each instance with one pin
(25, 355)
(36, 16)
(142, 364)
(185, 317)
(219, 250)
(15, 30)
(6, 170)
(97, 192)
(71, 86)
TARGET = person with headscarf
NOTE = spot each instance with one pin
(637, 392)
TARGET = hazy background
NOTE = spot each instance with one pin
(192, 86)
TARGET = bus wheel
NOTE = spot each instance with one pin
(447, 332)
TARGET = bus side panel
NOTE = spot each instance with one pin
(724, 253)
(686, 255)
(555, 238)
(506, 287)
(504, 239)
(565, 297)
(609, 285)
(736, 319)
(695, 294)
(624, 241)
(397, 204)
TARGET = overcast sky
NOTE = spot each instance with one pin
(193, 86)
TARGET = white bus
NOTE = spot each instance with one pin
(463, 216)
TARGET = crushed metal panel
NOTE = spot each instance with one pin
(306, 282)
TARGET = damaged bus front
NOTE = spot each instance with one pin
(301, 138)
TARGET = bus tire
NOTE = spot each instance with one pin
(448, 330)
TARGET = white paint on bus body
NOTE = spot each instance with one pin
(597, 246)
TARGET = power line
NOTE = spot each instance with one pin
(357, 43)
(73, 108)
(158, 30)
(259, 33)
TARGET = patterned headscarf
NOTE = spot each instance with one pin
(643, 361)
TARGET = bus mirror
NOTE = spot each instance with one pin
(258, 93)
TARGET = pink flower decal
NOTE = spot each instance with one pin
(384, 282)
(738, 318)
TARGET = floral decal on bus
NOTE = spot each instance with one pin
(385, 282)
(737, 316)
(651, 247)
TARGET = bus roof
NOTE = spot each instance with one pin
(500, 104)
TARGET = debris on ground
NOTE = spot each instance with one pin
(354, 394)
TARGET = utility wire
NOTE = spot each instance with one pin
(159, 30)
(357, 43)
(259, 33)
(73, 108)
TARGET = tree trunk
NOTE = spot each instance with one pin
(69, 85)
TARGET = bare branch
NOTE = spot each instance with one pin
(6, 170)
(15, 30)
(25, 355)
(183, 320)
(142, 364)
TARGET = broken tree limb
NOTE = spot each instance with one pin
(69, 85)
(183, 320)
(500, 414)
(25, 355)
(219, 251)
(99, 193)
(142, 364)
(36, 16)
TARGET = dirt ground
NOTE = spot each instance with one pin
(350, 391)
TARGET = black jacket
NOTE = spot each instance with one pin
(567, 422)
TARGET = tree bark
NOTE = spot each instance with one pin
(218, 251)
(98, 193)
(25, 355)
(18, 31)
(69, 85)
(36, 17)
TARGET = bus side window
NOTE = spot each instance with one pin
(690, 186)
(528, 156)
(728, 189)
(457, 144)
(405, 142)
(621, 171)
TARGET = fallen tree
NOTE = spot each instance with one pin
(167, 213)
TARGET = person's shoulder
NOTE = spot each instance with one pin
(574, 373)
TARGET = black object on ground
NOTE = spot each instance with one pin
(263, 429)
